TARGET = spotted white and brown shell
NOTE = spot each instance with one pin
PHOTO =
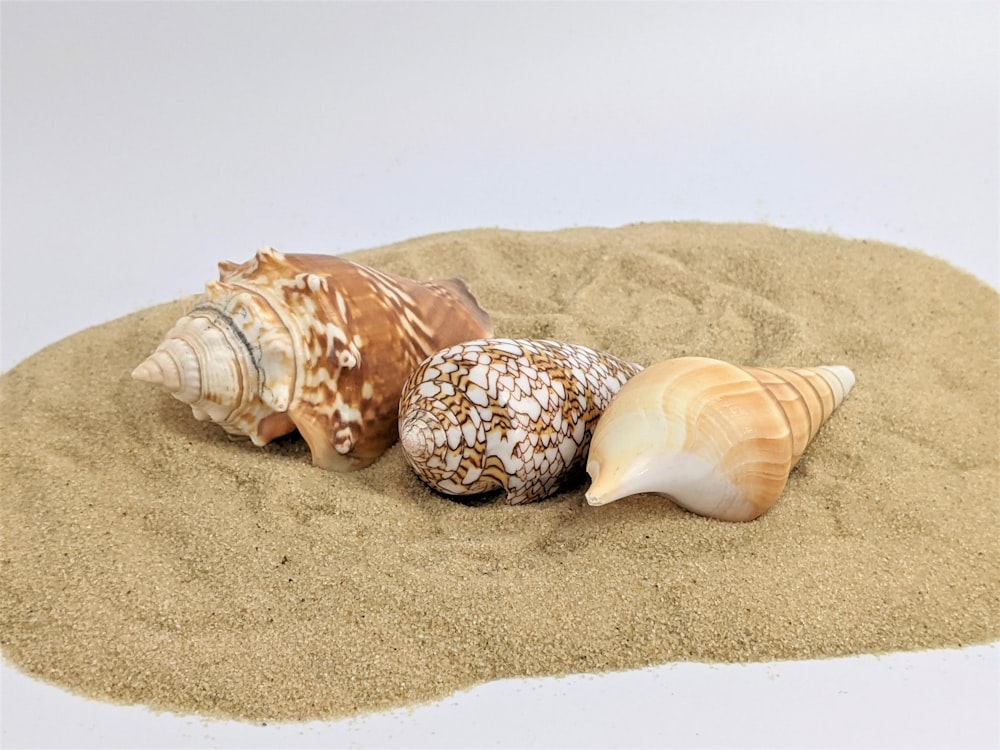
(510, 413)
(718, 439)
(312, 342)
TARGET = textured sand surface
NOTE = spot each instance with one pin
(146, 557)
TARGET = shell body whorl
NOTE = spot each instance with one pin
(510, 413)
(312, 342)
(718, 439)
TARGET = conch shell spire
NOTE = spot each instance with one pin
(159, 369)
(807, 395)
(718, 439)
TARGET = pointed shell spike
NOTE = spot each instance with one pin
(175, 365)
(719, 439)
(159, 369)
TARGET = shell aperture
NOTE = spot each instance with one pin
(310, 342)
(510, 413)
(718, 439)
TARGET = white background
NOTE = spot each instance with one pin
(144, 142)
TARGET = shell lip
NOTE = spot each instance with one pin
(609, 486)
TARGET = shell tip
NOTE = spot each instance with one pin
(844, 375)
(148, 372)
(158, 369)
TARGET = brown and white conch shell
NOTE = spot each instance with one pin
(510, 413)
(718, 439)
(312, 342)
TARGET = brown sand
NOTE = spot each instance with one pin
(148, 558)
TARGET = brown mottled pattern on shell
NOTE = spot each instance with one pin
(351, 335)
(363, 332)
(511, 413)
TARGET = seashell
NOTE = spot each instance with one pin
(718, 439)
(510, 413)
(312, 342)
